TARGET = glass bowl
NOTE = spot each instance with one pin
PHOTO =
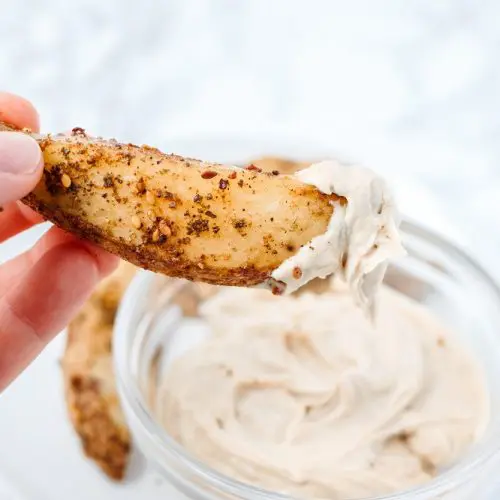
(157, 312)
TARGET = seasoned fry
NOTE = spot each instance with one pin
(90, 385)
(178, 216)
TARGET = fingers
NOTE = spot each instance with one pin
(18, 111)
(15, 269)
(40, 290)
(21, 166)
(20, 157)
(15, 218)
(44, 298)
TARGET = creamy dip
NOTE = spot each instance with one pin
(361, 236)
(305, 395)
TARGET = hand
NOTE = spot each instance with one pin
(42, 289)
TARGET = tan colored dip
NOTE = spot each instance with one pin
(360, 239)
(304, 395)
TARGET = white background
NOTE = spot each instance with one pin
(411, 88)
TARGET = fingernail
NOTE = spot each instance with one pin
(19, 154)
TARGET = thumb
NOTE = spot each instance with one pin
(21, 163)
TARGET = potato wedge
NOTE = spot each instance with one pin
(181, 217)
(89, 380)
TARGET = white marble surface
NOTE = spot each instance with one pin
(408, 87)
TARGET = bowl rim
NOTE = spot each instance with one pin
(131, 397)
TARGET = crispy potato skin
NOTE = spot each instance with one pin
(90, 386)
(177, 216)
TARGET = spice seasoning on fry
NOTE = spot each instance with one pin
(136, 221)
(208, 174)
(66, 180)
(150, 197)
(253, 167)
(165, 228)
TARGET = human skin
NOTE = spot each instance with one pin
(42, 289)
